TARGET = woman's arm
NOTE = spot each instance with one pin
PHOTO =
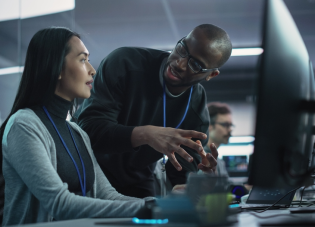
(25, 150)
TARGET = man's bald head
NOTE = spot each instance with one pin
(206, 47)
(220, 41)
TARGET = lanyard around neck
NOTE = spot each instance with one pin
(83, 185)
(164, 110)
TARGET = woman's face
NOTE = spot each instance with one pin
(75, 80)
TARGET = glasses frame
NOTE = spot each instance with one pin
(202, 70)
(224, 125)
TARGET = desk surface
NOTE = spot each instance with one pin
(244, 219)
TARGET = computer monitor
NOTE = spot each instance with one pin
(236, 165)
(283, 134)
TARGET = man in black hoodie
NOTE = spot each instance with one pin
(146, 103)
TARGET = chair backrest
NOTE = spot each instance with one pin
(163, 185)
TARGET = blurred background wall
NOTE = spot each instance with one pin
(106, 24)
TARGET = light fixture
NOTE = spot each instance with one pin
(11, 70)
(32, 8)
(247, 51)
(244, 51)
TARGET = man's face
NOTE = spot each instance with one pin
(177, 72)
(218, 132)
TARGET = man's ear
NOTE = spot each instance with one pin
(213, 74)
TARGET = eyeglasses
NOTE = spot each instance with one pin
(225, 125)
(193, 64)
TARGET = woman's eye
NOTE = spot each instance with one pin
(83, 60)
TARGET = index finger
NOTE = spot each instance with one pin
(193, 134)
(202, 153)
(214, 151)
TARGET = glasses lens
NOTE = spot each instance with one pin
(181, 50)
(194, 65)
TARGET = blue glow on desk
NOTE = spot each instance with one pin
(149, 221)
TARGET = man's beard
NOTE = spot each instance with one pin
(227, 137)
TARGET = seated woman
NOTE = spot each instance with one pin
(49, 168)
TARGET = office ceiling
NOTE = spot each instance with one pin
(106, 25)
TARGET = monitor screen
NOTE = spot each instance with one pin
(235, 163)
(283, 134)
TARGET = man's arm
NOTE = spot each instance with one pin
(99, 114)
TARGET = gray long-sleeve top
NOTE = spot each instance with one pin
(34, 191)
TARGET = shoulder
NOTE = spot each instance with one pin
(25, 117)
(134, 58)
(26, 120)
(199, 90)
(126, 52)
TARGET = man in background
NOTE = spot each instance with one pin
(220, 130)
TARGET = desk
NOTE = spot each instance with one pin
(274, 216)
(245, 219)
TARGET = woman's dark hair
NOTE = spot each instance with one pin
(45, 59)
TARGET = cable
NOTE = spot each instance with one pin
(302, 196)
(271, 216)
(261, 211)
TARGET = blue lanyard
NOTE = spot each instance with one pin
(164, 111)
(83, 187)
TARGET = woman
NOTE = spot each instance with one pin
(49, 168)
